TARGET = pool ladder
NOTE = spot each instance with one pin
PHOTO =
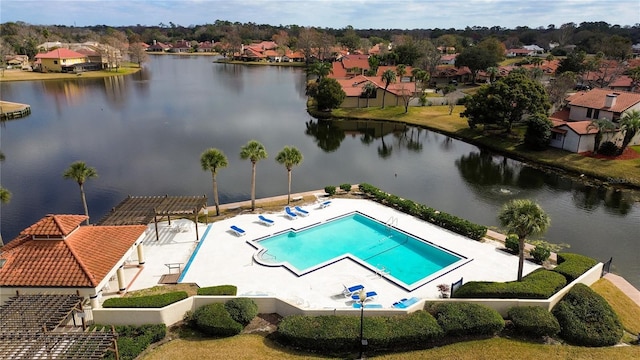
(391, 222)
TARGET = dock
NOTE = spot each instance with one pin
(11, 110)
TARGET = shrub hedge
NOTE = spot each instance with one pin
(444, 220)
(242, 310)
(335, 334)
(540, 253)
(587, 319)
(345, 187)
(215, 320)
(462, 319)
(533, 321)
(330, 189)
(133, 340)
(539, 284)
(230, 290)
(512, 243)
(149, 301)
(572, 266)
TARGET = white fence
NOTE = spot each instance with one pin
(174, 313)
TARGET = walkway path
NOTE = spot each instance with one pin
(620, 282)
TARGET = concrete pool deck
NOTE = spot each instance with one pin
(220, 257)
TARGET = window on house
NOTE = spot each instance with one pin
(55, 62)
(596, 114)
(589, 112)
(556, 136)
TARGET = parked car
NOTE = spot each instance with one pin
(582, 87)
(453, 82)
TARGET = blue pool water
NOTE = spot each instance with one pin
(402, 256)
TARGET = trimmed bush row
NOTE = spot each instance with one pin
(335, 334)
(226, 319)
(462, 319)
(572, 266)
(539, 284)
(133, 340)
(586, 319)
(150, 301)
(444, 220)
(533, 321)
(220, 290)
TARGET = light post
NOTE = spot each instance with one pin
(362, 297)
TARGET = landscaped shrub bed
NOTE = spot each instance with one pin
(463, 319)
(533, 321)
(242, 310)
(587, 319)
(215, 320)
(220, 290)
(539, 284)
(572, 266)
(149, 301)
(336, 334)
(133, 340)
(447, 221)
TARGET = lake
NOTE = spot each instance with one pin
(144, 134)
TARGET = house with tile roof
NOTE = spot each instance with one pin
(57, 255)
(396, 93)
(574, 136)
(54, 60)
(601, 103)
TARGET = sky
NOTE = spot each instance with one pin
(337, 14)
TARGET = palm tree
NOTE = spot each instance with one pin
(289, 157)
(388, 77)
(213, 159)
(523, 217)
(320, 69)
(601, 125)
(369, 91)
(80, 172)
(5, 196)
(492, 71)
(401, 70)
(630, 124)
(255, 152)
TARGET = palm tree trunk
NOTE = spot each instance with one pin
(84, 202)
(289, 193)
(215, 194)
(253, 187)
(521, 258)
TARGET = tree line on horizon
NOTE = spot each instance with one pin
(590, 37)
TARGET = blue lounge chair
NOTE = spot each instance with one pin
(348, 291)
(290, 214)
(236, 230)
(300, 211)
(325, 204)
(266, 221)
(369, 295)
(357, 305)
(405, 303)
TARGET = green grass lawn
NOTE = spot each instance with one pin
(437, 118)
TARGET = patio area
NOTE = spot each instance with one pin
(222, 257)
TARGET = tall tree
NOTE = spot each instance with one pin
(213, 159)
(80, 172)
(289, 157)
(523, 217)
(368, 91)
(630, 124)
(330, 94)
(254, 151)
(320, 69)
(138, 54)
(476, 59)
(506, 102)
(388, 77)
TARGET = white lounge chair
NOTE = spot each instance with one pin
(348, 291)
(325, 204)
(290, 214)
(266, 221)
(300, 211)
(236, 230)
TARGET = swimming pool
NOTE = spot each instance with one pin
(388, 251)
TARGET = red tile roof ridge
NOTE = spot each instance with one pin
(84, 268)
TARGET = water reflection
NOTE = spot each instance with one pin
(326, 134)
(503, 177)
(230, 75)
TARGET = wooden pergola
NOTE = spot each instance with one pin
(32, 327)
(141, 210)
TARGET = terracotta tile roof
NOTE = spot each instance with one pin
(580, 127)
(355, 61)
(54, 226)
(595, 99)
(60, 53)
(83, 259)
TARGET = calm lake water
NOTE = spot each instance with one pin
(144, 134)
